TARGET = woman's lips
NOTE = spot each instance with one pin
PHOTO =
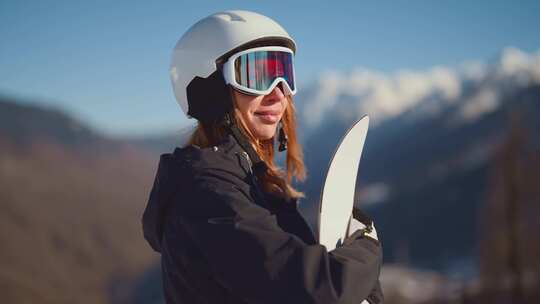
(268, 116)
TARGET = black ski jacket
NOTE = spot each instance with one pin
(222, 240)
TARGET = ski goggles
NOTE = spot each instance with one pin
(258, 70)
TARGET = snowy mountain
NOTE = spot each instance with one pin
(427, 157)
(474, 86)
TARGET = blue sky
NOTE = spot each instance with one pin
(106, 62)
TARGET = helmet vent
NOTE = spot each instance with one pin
(229, 16)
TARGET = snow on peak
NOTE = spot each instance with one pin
(387, 95)
(523, 67)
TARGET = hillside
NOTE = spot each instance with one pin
(70, 208)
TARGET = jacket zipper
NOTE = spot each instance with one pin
(252, 176)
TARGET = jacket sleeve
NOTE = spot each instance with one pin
(255, 259)
(362, 221)
(376, 296)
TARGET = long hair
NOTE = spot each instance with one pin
(274, 180)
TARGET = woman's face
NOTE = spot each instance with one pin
(262, 113)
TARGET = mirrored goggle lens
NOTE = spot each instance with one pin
(259, 69)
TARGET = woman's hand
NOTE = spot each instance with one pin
(360, 221)
(369, 231)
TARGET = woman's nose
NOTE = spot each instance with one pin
(277, 92)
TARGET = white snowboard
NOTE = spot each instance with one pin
(337, 197)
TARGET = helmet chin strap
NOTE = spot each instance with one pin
(202, 95)
(259, 166)
(282, 137)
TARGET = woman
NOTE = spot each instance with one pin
(221, 213)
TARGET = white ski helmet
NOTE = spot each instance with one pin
(217, 37)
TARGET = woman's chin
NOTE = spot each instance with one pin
(266, 133)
